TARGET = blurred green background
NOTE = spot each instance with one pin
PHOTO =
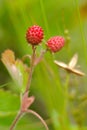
(49, 81)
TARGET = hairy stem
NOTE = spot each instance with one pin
(27, 87)
(23, 109)
(37, 115)
(31, 69)
(16, 120)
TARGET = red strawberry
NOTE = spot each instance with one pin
(55, 43)
(34, 35)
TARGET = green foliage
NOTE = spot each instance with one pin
(9, 105)
(49, 81)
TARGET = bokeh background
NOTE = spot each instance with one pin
(49, 81)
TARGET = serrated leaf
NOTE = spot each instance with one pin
(16, 68)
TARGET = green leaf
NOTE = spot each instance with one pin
(9, 105)
(8, 102)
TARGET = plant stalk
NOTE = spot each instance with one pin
(39, 117)
(16, 120)
(31, 69)
(23, 109)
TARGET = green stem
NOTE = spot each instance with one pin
(44, 16)
(66, 95)
(66, 102)
(81, 29)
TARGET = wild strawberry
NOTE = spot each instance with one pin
(55, 43)
(34, 35)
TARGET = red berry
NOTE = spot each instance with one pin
(34, 35)
(55, 43)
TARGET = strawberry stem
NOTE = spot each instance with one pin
(40, 57)
(31, 69)
(38, 116)
(16, 120)
(24, 106)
